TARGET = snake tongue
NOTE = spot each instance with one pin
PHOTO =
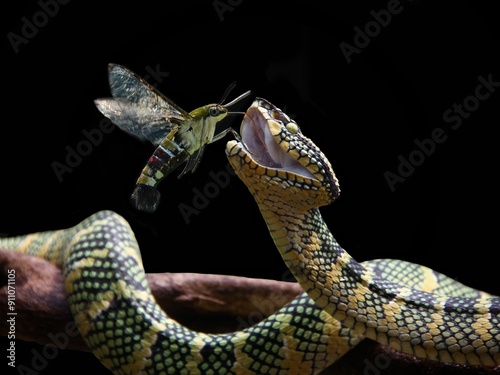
(258, 140)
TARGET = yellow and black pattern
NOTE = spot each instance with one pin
(125, 328)
(129, 333)
(290, 178)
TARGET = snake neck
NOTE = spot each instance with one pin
(364, 302)
(311, 252)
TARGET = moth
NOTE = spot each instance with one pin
(140, 110)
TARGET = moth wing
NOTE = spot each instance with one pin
(137, 120)
(127, 85)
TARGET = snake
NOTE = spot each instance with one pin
(406, 306)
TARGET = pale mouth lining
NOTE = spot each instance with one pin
(258, 140)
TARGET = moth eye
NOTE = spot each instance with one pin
(213, 111)
(292, 127)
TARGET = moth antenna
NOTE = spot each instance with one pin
(226, 93)
(242, 96)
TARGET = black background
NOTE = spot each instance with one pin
(362, 114)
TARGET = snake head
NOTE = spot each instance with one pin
(273, 157)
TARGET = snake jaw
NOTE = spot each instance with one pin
(261, 137)
(273, 145)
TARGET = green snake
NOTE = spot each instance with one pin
(406, 306)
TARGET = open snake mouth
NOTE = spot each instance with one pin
(261, 120)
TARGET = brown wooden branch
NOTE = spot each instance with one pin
(206, 303)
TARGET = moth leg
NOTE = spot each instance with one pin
(223, 133)
(193, 161)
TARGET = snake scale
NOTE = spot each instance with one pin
(418, 311)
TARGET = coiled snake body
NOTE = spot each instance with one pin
(431, 316)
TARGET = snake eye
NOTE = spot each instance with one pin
(276, 115)
(292, 127)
